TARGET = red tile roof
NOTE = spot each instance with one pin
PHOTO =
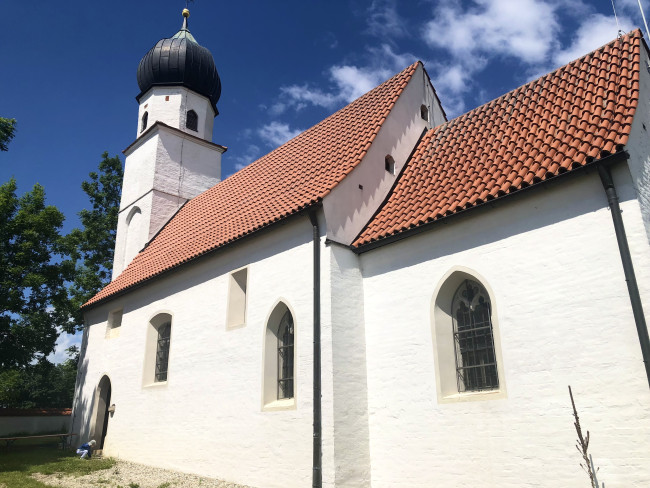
(286, 181)
(555, 124)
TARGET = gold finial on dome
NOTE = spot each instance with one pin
(186, 13)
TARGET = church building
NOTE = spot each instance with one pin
(391, 298)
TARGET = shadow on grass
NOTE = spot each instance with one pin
(18, 463)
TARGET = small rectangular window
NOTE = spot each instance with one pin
(237, 299)
(114, 324)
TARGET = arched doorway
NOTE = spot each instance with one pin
(102, 402)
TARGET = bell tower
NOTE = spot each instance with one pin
(173, 158)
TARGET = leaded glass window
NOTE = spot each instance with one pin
(476, 367)
(285, 357)
(192, 120)
(162, 351)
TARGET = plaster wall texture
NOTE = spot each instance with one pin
(208, 418)
(551, 260)
(162, 171)
(34, 425)
(170, 104)
(349, 394)
(348, 207)
(639, 145)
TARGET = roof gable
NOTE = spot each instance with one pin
(291, 178)
(552, 125)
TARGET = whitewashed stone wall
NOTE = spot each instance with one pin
(163, 170)
(208, 418)
(170, 104)
(350, 205)
(552, 262)
(639, 144)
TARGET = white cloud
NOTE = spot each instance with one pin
(62, 343)
(384, 21)
(523, 29)
(277, 133)
(596, 30)
(250, 154)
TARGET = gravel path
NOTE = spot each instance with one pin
(125, 474)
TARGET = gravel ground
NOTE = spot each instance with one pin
(131, 475)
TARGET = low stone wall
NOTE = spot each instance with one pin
(34, 420)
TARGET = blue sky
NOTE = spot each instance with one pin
(68, 68)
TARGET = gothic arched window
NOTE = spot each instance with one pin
(162, 351)
(285, 356)
(476, 366)
(192, 121)
(145, 118)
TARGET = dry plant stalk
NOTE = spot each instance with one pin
(582, 446)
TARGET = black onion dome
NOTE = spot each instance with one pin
(180, 60)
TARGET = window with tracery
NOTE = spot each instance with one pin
(192, 121)
(476, 367)
(285, 356)
(162, 351)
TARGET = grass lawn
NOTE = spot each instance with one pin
(21, 460)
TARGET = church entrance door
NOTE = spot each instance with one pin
(102, 402)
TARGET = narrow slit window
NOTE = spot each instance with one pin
(476, 366)
(192, 120)
(424, 113)
(389, 164)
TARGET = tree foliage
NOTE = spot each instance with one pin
(34, 268)
(41, 384)
(7, 131)
(94, 243)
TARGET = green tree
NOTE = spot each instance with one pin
(94, 243)
(41, 384)
(34, 268)
(7, 130)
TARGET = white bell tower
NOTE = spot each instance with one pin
(173, 158)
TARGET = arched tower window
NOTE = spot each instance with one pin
(145, 118)
(476, 366)
(424, 113)
(192, 120)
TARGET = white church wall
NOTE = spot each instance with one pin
(212, 403)
(133, 224)
(349, 393)
(551, 260)
(639, 144)
(354, 200)
(186, 166)
(169, 104)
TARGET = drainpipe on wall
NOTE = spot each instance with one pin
(628, 268)
(317, 471)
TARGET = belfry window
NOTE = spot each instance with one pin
(162, 351)
(285, 357)
(476, 366)
(145, 118)
(192, 120)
